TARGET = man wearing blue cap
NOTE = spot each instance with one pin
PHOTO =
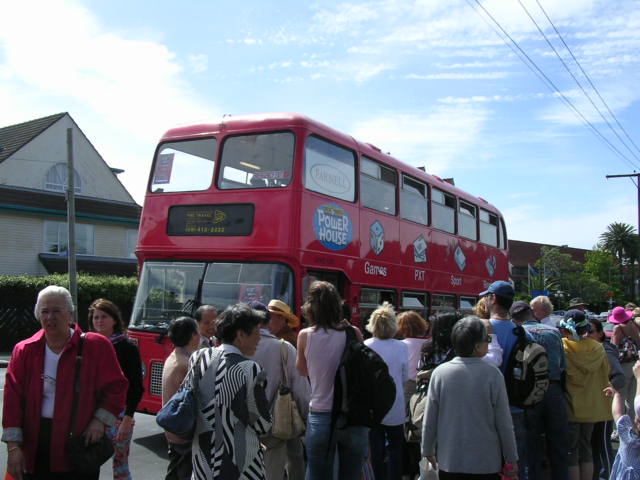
(499, 300)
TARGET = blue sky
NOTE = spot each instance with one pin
(429, 81)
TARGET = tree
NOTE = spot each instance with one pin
(556, 272)
(621, 241)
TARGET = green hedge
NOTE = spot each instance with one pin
(18, 297)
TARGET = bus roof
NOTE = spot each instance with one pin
(284, 120)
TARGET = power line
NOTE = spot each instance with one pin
(513, 49)
(554, 88)
(588, 78)
(577, 81)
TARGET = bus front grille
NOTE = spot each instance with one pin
(155, 384)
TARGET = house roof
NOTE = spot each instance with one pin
(14, 137)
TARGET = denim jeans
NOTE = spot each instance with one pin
(520, 432)
(351, 444)
(386, 451)
(548, 417)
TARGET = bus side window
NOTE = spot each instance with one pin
(414, 201)
(329, 169)
(488, 228)
(377, 186)
(443, 208)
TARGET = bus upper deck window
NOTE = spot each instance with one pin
(184, 166)
(256, 161)
(329, 169)
(443, 210)
(377, 186)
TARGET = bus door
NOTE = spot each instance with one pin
(337, 279)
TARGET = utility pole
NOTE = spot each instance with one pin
(637, 182)
(71, 224)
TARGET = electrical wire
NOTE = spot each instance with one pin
(552, 85)
(577, 81)
(587, 77)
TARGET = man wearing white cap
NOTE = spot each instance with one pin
(283, 321)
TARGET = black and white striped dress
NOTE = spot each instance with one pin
(233, 414)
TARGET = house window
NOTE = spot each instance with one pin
(55, 238)
(56, 179)
(132, 239)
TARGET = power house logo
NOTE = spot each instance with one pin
(332, 226)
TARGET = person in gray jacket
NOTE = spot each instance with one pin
(281, 455)
(467, 419)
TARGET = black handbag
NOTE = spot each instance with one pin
(85, 459)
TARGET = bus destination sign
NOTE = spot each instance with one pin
(222, 220)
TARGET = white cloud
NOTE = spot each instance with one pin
(198, 62)
(111, 84)
(476, 64)
(432, 140)
(457, 76)
(347, 18)
(579, 229)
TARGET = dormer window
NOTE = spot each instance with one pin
(56, 179)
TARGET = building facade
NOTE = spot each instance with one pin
(33, 207)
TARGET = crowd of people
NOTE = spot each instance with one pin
(455, 371)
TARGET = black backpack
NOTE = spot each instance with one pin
(363, 389)
(527, 372)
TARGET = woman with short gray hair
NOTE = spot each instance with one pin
(38, 414)
(467, 405)
(387, 438)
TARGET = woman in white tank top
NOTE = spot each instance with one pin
(320, 348)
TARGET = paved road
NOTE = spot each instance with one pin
(147, 460)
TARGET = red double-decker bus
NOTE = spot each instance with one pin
(257, 207)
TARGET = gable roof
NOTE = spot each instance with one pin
(14, 137)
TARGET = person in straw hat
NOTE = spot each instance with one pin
(283, 321)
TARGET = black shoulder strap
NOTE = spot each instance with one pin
(518, 330)
(351, 335)
(76, 390)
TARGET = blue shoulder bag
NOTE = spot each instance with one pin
(179, 414)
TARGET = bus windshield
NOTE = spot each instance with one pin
(168, 290)
(184, 166)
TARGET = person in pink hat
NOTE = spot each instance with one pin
(627, 338)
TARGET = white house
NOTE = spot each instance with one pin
(33, 208)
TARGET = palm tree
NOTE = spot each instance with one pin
(621, 241)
